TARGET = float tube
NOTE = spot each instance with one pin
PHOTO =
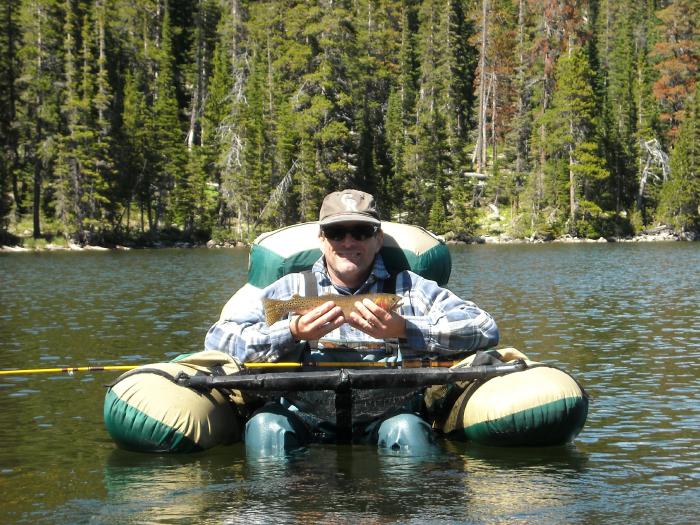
(195, 402)
(147, 409)
(540, 405)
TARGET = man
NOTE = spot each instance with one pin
(430, 321)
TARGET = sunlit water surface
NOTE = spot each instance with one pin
(623, 319)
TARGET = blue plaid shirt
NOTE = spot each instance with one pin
(438, 323)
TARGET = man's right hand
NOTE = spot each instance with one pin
(317, 322)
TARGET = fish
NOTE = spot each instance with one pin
(276, 309)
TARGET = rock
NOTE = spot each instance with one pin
(13, 249)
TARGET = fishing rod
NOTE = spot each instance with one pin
(410, 363)
(67, 370)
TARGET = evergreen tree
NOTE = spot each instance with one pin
(572, 125)
(400, 116)
(680, 197)
(619, 58)
(231, 72)
(215, 125)
(136, 183)
(170, 161)
(428, 163)
(84, 161)
(678, 56)
(38, 117)
(72, 156)
(9, 70)
(258, 159)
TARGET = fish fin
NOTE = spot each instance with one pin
(274, 310)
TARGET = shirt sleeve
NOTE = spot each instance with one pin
(243, 333)
(439, 322)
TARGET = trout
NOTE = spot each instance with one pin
(275, 309)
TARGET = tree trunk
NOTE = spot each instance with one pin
(479, 152)
(193, 130)
(573, 205)
(37, 199)
(521, 132)
(36, 212)
(11, 168)
(494, 79)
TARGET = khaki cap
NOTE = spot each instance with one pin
(348, 205)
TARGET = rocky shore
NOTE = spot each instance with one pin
(659, 234)
(73, 247)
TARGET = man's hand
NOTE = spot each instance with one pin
(316, 323)
(377, 322)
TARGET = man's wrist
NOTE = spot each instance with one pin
(294, 328)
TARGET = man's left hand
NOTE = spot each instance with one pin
(377, 322)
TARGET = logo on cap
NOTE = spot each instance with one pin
(349, 202)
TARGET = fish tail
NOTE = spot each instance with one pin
(274, 310)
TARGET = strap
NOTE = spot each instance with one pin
(145, 370)
(310, 290)
(216, 370)
(310, 286)
(390, 284)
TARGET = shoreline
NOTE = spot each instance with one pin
(71, 247)
(568, 239)
(651, 236)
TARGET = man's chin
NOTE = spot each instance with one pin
(348, 268)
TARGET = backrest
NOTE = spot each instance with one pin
(295, 249)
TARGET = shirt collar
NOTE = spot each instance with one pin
(379, 272)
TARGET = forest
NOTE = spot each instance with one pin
(139, 121)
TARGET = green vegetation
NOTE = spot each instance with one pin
(188, 120)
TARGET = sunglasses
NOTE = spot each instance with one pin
(359, 232)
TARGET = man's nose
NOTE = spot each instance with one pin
(348, 239)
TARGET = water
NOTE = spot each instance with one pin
(623, 319)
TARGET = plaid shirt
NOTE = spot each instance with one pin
(437, 322)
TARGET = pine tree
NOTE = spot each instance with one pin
(9, 70)
(558, 28)
(680, 197)
(38, 117)
(101, 104)
(428, 161)
(84, 161)
(71, 157)
(678, 58)
(400, 116)
(222, 111)
(216, 126)
(257, 169)
(136, 183)
(170, 160)
(572, 126)
(618, 54)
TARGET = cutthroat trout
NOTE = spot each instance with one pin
(275, 309)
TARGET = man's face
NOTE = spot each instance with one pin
(349, 259)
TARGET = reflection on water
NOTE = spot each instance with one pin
(623, 319)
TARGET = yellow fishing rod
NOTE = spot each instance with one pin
(66, 370)
(416, 363)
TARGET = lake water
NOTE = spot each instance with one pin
(624, 319)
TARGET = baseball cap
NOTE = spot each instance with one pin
(348, 205)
